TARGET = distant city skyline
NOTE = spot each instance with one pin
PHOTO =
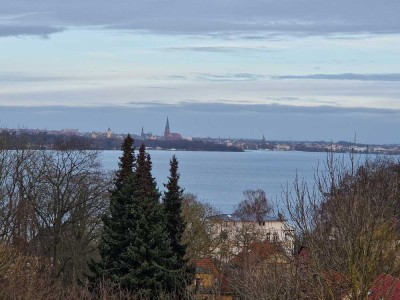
(302, 69)
(222, 120)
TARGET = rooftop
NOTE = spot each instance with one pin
(247, 218)
(385, 287)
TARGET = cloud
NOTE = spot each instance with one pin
(346, 76)
(208, 77)
(253, 18)
(218, 107)
(26, 30)
(24, 77)
(229, 77)
(246, 88)
(219, 49)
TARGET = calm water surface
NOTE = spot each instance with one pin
(221, 177)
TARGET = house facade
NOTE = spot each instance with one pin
(240, 231)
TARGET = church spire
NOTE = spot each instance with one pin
(142, 133)
(167, 131)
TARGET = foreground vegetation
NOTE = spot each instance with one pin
(69, 230)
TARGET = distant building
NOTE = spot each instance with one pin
(260, 255)
(69, 131)
(146, 136)
(263, 144)
(210, 282)
(109, 133)
(264, 228)
(282, 147)
(168, 135)
(167, 132)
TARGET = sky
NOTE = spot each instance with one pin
(286, 69)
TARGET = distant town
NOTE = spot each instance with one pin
(110, 140)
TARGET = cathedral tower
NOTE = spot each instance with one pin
(167, 133)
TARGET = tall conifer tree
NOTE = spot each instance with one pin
(117, 220)
(149, 256)
(172, 200)
(135, 245)
(126, 165)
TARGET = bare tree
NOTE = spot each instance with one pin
(348, 226)
(249, 226)
(17, 223)
(272, 282)
(255, 203)
(51, 203)
(69, 199)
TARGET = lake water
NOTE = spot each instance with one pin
(221, 177)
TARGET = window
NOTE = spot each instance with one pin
(275, 237)
(263, 223)
(268, 237)
(197, 282)
(287, 236)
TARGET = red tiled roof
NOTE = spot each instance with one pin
(207, 265)
(257, 252)
(385, 287)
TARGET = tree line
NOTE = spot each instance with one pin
(19, 139)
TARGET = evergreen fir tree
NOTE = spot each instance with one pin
(149, 256)
(117, 220)
(135, 245)
(126, 162)
(172, 200)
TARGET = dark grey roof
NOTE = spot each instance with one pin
(251, 218)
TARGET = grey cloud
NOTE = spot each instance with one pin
(229, 77)
(318, 102)
(215, 77)
(220, 49)
(152, 103)
(215, 108)
(159, 87)
(285, 98)
(250, 18)
(223, 106)
(346, 76)
(22, 77)
(23, 30)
